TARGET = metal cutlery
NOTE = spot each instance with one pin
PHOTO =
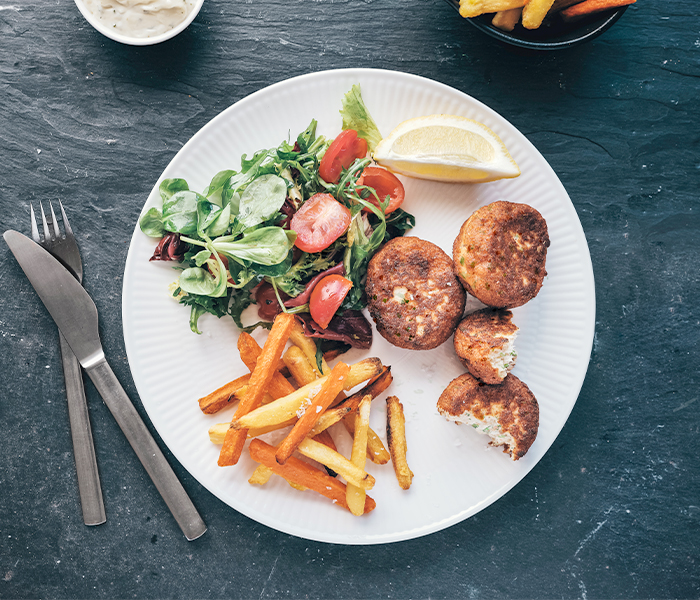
(76, 316)
(65, 248)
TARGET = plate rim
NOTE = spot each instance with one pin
(587, 275)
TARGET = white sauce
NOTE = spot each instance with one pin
(140, 18)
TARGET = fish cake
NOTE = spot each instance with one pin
(413, 295)
(508, 413)
(484, 341)
(500, 254)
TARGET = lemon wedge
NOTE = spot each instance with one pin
(446, 148)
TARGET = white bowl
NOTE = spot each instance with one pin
(137, 41)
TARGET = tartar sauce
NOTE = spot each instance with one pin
(140, 18)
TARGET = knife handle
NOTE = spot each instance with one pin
(147, 450)
(83, 446)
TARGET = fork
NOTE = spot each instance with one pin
(65, 249)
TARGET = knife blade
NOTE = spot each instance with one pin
(75, 313)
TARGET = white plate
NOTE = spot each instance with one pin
(456, 473)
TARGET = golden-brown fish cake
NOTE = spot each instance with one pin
(500, 254)
(413, 295)
(508, 413)
(484, 343)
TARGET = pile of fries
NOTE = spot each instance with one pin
(307, 406)
(531, 13)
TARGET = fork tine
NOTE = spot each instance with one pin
(56, 230)
(66, 224)
(47, 231)
(35, 229)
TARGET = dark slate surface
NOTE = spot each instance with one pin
(613, 509)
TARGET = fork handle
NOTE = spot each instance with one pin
(83, 446)
(147, 450)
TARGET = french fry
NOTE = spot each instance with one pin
(261, 475)
(355, 495)
(301, 473)
(262, 375)
(534, 13)
(250, 352)
(337, 462)
(474, 8)
(217, 432)
(350, 404)
(325, 438)
(506, 20)
(221, 398)
(396, 436)
(286, 408)
(299, 366)
(329, 390)
(590, 7)
(560, 5)
(308, 347)
(376, 451)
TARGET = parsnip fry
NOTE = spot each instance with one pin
(250, 352)
(355, 495)
(308, 347)
(350, 404)
(330, 389)
(474, 8)
(261, 475)
(534, 13)
(222, 397)
(217, 432)
(301, 473)
(376, 451)
(260, 379)
(286, 408)
(337, 462)
(325, 438)
(396, 436)
(506, 20)
(299, 366)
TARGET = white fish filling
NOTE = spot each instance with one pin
(489, 426)
(503, 359)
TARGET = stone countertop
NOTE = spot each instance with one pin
(611, 511)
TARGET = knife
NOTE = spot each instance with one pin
(76, 316)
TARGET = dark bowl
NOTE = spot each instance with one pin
(553, 34)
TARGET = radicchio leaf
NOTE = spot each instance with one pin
(303, 298)
(170, 247)
(351, 328)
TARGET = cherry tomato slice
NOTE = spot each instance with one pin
(386, 184)
(319, 222)
(327, 297)
(340, 155)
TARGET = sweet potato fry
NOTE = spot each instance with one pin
(250, 351)
(396, 436)
(590, 7)
(355, 495)
(506, 20)
(337, 462)
(474, 8)
(260, 379)
(329, 390)
(221, 398)
(286, 408)
(534, 13)
(301, 473)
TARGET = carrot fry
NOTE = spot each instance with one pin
(354, 494)
(301, 473)
(221, 398)
(250, 352)
(260, 379)
(330, 389)
(590, 7)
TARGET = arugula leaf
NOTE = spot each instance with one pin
(356, 116)
(292, 282)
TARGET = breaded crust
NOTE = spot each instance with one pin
(510, 403)
(500, 254)
(413, 295)
(482, 342)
